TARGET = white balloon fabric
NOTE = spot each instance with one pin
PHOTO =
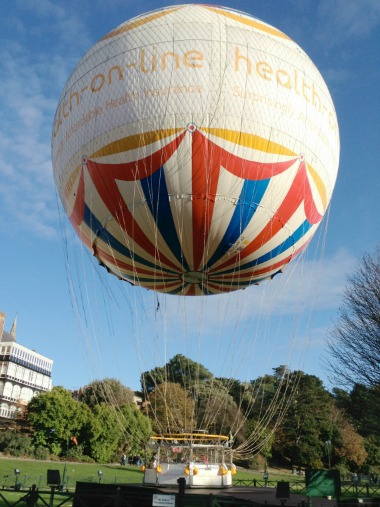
(195, 150)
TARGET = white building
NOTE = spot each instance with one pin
(23, 373)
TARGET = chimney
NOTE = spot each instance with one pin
(2, 320)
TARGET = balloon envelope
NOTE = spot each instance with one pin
(195, 150)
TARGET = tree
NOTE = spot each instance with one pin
(15, 443)
(351, 448)
(362, 407)
(217, 411)
(137, 430)
(265, 402)
(56, 417)
(151, 379)
(262, 438)
(179, 370)
(354, 342)
(372, 447)
(268, 393)
(307, 425)
(113, 430)
(171, 408)
(109, 391)
(240, 391)
(103, 432)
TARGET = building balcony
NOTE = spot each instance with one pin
(23, 382)
(9, 414)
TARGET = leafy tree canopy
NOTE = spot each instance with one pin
(103, 433)
(362, 406)
(109, 391)
(216, 409)
(307, 424)
(56, 417)
(171, 408)
(289, 415)
(137, 430)
(179, 370)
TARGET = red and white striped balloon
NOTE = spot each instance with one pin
(195, 150)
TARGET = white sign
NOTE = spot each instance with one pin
(163, 501)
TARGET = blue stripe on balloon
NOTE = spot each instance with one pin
(157, 198)
(250, 197)
(93, 223)
(290, 241)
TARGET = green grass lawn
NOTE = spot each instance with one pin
(35, 472)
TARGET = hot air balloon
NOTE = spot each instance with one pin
(195, 150)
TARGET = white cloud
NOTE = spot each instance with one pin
(342, 20)
(39, 53)
(297, 297)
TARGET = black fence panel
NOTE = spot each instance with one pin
(112, 495)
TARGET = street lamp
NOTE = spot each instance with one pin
(328, 445)
(17, 483)
(265, 475)
(100, 473)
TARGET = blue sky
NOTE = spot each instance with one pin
(119, 331)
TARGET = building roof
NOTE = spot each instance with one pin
(7, 337)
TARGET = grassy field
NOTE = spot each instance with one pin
(35, 472)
